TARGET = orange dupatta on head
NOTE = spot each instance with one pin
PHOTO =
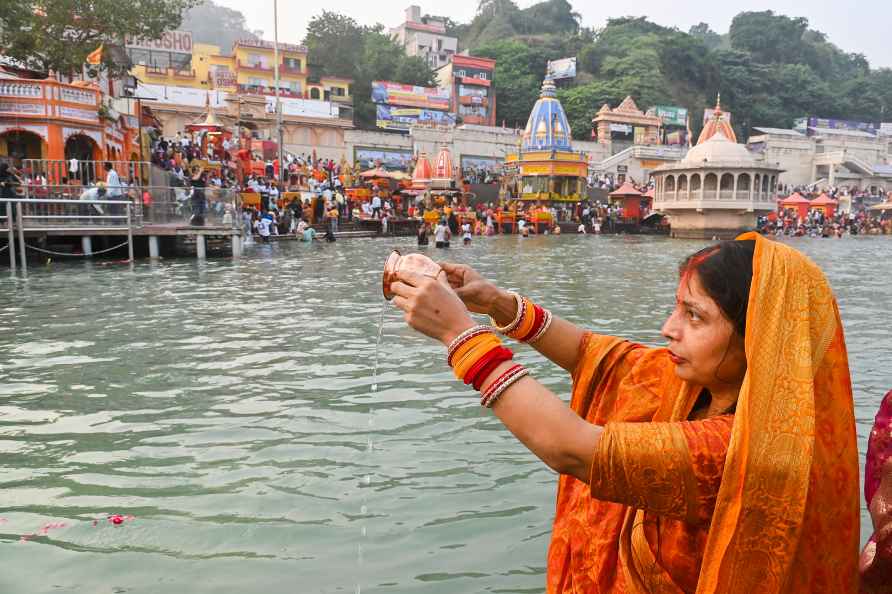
(786, 514)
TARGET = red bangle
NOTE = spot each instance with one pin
(537, 323)
(510, 372)
(480, 364)
(493, 359)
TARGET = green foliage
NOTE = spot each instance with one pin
(58, 34)
(339, 46)
(770, 38)
(217, 25)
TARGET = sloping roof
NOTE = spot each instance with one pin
(823, 200)
(778, 131)
(836, 132)
(795, 198)
(626, 189)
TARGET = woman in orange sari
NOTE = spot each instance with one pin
(724, 463)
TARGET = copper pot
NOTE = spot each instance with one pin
(418, 263)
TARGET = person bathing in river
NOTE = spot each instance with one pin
(724, 463)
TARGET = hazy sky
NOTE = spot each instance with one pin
(862, 26)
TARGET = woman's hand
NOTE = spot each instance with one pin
(430, 306)
(480, 295)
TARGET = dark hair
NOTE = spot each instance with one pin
(108, 165)
(725, 271)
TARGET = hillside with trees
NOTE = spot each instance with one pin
(769, 68)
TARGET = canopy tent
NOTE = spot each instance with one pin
(825, 204)
(797, 202)
(630, 198)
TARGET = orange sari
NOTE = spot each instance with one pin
(765, 500)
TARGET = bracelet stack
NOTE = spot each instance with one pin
(475, 354)
(530, 323)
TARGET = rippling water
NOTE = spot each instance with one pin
(230, 408)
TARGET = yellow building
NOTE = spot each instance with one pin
(179, 78)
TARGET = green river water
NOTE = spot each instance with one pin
(230, 408)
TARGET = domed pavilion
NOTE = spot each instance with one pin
(717, 190)
(547, 168)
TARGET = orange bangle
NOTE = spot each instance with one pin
(465, 364)
(529, 320)
(466, 347)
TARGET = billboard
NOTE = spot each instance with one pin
(391, 93)
(832, 124)
(565, 68)
(369, 158)
(476, 169)
(671, 115)
(402, 118)
(177, 42)
(708, 114)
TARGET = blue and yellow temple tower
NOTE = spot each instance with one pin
(545, 168)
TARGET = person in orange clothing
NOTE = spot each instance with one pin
(725, 462)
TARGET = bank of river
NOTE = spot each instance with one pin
(230, 408)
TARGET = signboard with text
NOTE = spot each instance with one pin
(390, 117)
(395, 160)
(565, 68)
(178, 42)
(391, 93)
(671, 115)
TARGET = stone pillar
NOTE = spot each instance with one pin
(87, 245)
(236, 246)
(752, 185)
(734, 187)
(200, 247)
(154, 252)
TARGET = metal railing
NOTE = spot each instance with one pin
(59, 172)
(32, 214)
(150, 205)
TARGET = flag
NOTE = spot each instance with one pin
(95, 57)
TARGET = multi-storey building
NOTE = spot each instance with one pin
(427, 40)
(240, 87)
(469, 79)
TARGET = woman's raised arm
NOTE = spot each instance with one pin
(560, 343)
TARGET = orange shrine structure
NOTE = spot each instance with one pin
(47, 119)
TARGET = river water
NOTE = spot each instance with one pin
(228, 412)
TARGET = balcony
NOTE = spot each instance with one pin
(177, 73)
(342, 99)
(285, 69)
(254, 66)
(472, 100)
(263, 90)
(156, 71)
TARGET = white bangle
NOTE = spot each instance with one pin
(493, 395)
(545, 325)
(506, 329)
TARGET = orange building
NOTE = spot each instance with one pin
(46, 119)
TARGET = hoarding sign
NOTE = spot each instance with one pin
(709, 114)
(369, 158)
(402, 118)
(390, 93)
(565, 68)
(177, 42)
(833, 124)
(472, 165)
(671, 115)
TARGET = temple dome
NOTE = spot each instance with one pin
(548, 128)
(423, 172)
(719, 148)
(443, 168)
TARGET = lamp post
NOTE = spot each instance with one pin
(278, 103)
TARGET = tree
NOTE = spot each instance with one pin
(335, 43)
(770, 38)
(710, 38)
(57, 35)
(217, 25)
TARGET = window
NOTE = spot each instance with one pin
(255, 60)
(439, 45)
(292, 63)
(294, 86)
